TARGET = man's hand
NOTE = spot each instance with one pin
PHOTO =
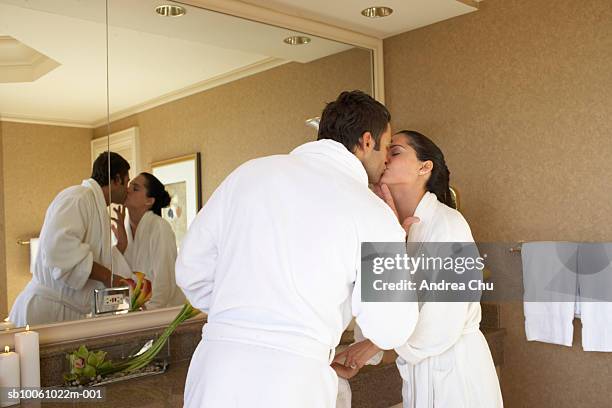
(382, 190)
(118, 281)
(357, 355)
(408, 222)
(119, 228)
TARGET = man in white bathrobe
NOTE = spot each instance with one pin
(274, 259)
(74, 254)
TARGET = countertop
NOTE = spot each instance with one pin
(374, 387)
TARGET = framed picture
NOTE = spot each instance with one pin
(181, 176)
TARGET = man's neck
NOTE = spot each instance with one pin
(106, 194)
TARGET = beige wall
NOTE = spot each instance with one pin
(518, 95)
(39, 162)
(3, 282)
(255, 116)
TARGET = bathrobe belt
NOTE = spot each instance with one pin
(290, 342)
(37, 289)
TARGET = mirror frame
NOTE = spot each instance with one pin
(133, 322)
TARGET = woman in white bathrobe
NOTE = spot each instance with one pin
(147, 241)
(446, 362)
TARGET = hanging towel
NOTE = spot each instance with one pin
(595, 284)
(550, 287)
(33, 252)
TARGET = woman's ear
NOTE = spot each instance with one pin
(426, 167)
(150, 201)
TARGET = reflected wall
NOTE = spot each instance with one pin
(256, 116)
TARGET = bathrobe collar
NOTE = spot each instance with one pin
(143, 224)
(97, 190)
(425, 211)
(427, 207)
(104, 219)
(337, 153)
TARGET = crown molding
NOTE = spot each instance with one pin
(210, 83)
(43, 121)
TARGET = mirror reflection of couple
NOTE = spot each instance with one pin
(274, 255)
(75, 255)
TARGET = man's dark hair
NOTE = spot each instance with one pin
(351, 115)
(119, 168)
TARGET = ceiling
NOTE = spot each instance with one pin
(152, 59)
(407, 14)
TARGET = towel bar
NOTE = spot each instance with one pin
(516, 249)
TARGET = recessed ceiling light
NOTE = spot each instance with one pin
(170, 10)
(297, 40)
(377, 12)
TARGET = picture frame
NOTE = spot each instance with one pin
(181, 177)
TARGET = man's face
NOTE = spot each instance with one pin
(374, 160)
(119, 189)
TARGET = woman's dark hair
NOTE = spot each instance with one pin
(351, 115)
(156, 190)
(119, 168)
(438, 182)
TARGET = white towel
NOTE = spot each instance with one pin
(595, 281)
(550, 287)
(33, 251)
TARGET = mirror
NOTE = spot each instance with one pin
(52, 93)
(218, 89)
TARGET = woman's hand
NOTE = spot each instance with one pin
(344, 372)
(357, 355)
(119, 228)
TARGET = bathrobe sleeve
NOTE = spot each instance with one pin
(386, 324)
(63, 250)
(197, 259)
(163, 251)
(439, 327)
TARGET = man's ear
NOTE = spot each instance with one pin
(366, 141)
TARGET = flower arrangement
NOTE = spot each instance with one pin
(87, 366)
(141, 291)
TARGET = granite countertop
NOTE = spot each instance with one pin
(374, 387)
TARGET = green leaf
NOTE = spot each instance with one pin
(101, 355)
(70, 377)
(82, 352)
(89, 371)
(92, 360)
(105, 366)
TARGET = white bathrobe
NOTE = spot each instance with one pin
(447, 361)
(75, 233)
(153, 252)
(273, 258)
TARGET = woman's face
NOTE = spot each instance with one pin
(403, 166)
(137, 195)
